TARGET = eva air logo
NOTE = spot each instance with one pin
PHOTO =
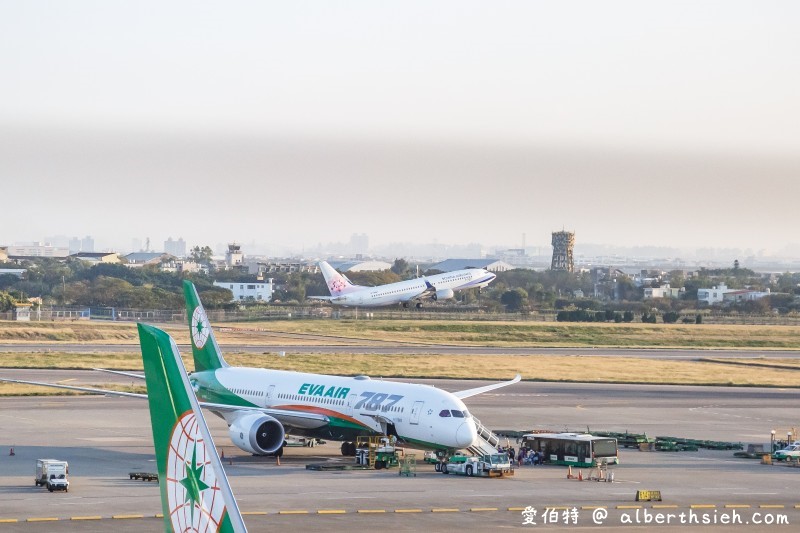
(191, 484)
(200, 327)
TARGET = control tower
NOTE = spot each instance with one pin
(563, 244)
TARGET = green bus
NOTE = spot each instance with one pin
(573, 449)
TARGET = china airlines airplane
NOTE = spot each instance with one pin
(436, 287)
(261, 405)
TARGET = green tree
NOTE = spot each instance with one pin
(201, 255)
(514, 299)
(400, 267)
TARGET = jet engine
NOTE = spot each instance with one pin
(443, 294)
(257, 433)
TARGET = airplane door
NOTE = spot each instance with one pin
(269, 396)
(416, 409)
(351, 401)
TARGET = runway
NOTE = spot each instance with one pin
(104, 438)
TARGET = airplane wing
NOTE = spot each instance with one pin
(300, 419)
(425, 294)
(480, 390)
(120, 372)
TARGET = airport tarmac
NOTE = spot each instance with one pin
(104, 438)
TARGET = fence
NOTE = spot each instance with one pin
(267, 313)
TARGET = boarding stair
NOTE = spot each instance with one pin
(487, 441)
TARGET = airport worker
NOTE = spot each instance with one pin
(279, 454)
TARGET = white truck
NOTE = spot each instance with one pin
(52, 473)
(493, 465)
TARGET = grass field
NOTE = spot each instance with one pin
(566, 368)
(634, 335)
(766, 371)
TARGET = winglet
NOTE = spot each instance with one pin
(480, 390)
(195, 494)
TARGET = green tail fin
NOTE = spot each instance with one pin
(195, 494)
(205, 349)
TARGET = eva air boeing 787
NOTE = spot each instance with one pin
(261, 405)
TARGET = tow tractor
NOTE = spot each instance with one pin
(493, 465)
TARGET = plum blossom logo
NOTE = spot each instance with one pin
(337, 285)
(192, 487)
(200, 327)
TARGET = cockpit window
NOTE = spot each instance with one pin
(457, 414)
(444, 412)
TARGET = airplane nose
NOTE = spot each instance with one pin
(466, 434)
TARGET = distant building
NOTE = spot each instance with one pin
(3, 253)
(259, 292)
(563, 245)
(18, 272)
(713, 295)
(21, 312)
(96, 257)
(140, 259)
(234, 256)
(745, 295)
(35, 250)
(360, 266)
(284, 266)
(359, 243)
(176, 248)
(665, 291)
(492, 265)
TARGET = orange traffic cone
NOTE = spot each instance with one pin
(569, 472)
(12, 451)
(580, 475)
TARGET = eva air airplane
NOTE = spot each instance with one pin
(261, 406)
(195, 494)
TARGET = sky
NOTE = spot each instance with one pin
(632, 123)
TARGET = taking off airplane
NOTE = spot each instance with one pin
(195, 494)
(436, 287)
(260, 405)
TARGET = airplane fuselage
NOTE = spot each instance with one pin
(420, 414)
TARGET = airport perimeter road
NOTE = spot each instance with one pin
(417, 349)
(105, 438)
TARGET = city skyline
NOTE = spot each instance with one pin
(289, 125)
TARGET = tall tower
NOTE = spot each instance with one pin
(563, 243)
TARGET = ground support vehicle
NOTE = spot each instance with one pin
(491, 465)
(408, 465)
(144, 476)
(52, 473)
(572, 449)
(377, 451)
(790, 453)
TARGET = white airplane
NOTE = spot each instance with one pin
(262, 405)
(436, 287)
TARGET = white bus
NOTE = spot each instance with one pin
(574, 449)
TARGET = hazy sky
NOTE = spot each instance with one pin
(294, 123)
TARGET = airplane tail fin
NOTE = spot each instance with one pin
(195, 494)
(206, 352)
(338, 284)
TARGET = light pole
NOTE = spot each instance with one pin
(772, 441)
